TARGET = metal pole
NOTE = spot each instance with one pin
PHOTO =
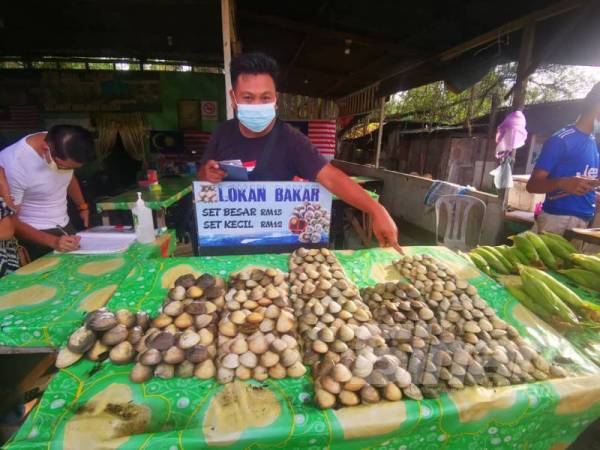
(380, 131)
(226, 26)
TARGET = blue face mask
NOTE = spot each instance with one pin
(256, 117)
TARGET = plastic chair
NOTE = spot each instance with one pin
(459, 209)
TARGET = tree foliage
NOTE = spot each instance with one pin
(436, 104)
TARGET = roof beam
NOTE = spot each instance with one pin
(305, 39)
(510, 27)
(326, 32)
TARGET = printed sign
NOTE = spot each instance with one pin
(255, 217)
(209, 110)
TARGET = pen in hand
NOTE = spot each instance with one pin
(67, 242)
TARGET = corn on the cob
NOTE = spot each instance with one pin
(562, 291)
(583, 277)
(561, 241)
(500, 257)
(556, 247)
(543, 296)
(510, 256)
(587, 262)
(542, 250)
(480, 263)
(518, 254)
(493, 262)
(526, 247)
(519, 293)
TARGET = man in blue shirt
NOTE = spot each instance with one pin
(564, 170)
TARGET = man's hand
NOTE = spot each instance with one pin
(385, 229)
(575, 185)
(66, 243)
(85, 217)
(211, 172)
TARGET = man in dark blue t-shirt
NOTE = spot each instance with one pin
(273, 151)
(564, 171)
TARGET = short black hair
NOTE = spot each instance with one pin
(71, 142)
(592, 99)
(254, 64)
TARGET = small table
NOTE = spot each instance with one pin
(589, 235)
(173, 190)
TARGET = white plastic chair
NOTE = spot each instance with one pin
(458, 209)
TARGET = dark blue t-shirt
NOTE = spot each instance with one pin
(568, 153)
(291, 155)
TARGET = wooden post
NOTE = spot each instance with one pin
(380, 131)
(226, 29)
(525, 53)
(520, 88)
(491, 135)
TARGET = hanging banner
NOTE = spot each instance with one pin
(259, 217)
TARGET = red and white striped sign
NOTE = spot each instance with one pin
(194, 142)
(322, 134)
(19, 117)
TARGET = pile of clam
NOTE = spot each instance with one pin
(257, 330)
(103, 335)
(446, 335)
(181, 339)
(350, 359)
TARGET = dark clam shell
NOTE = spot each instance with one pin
(81, 340)
(186, 281)
(213, 292)
(196, 308)
(162, 341)
(205, 281)
(100, 320)
(197, 354)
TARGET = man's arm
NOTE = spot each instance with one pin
(59, 243)
(340, 184)
(539, 183)
(74, 191)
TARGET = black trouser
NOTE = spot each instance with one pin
(36, 250)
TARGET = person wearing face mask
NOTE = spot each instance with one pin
(272, 150)
(39, 169)
(565, 172)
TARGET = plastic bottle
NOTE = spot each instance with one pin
(142, 221)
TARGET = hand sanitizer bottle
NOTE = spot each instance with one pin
(142, 221)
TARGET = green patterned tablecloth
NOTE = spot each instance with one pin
(92, 407)
(43, 302)
(173, 190)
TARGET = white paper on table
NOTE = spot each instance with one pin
(95, 242)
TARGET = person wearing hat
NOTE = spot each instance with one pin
(565, 171)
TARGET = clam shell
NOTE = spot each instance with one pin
(100, 320)
(122, 353)
(115, 335)
(66, 358)
(81, 340)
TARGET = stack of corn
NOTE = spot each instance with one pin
(547, 250)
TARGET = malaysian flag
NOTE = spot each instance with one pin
(19, 117)
(194, 142)
(321, 133)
